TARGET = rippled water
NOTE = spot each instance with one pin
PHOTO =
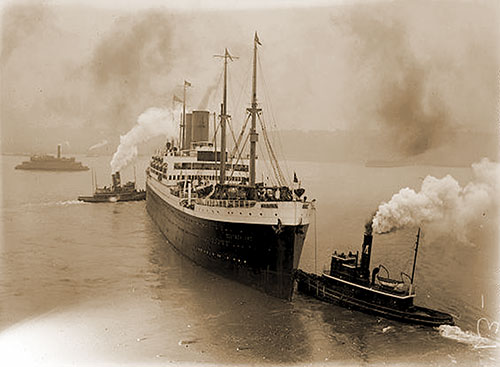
(87, 283)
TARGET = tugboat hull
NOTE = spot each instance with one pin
(258, 255)
(137, 196)
(325, 290)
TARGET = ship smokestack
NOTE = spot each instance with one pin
(199, 126)
(116, 180)
(188, 131)
(366, 251)
(58, 150)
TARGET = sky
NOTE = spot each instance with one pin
(83, 71)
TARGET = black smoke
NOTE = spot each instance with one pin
(396, 83)
(128, 62)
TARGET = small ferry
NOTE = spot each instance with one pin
(48, 162)
(117, 192)
(348, 283)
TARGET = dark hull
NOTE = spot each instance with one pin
(252, 254)
(136, 196)
(322, 289)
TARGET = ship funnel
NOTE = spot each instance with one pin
(188, 131)
(200, 126)
(366, 252)
(58, 150)
(116, 180)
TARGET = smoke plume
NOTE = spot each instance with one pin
(153, 122)
(443, 201)
(206, 97)
(98, 145)
(400, 89)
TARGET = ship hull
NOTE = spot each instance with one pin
(259, 255)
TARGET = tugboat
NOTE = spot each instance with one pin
(117, 192)
(348, 284)
(209, 205)
(50, 163)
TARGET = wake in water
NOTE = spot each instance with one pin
(467, 337)
(58, 203)
(70, 202)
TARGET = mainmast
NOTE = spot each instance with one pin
(223, 118)
(254, 136)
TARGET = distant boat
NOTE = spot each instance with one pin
(51, 163)
(348, 284)
(115, 193)
(389, 164)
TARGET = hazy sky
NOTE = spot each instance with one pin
(83, 71)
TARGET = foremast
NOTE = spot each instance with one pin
(223, 119)
(253, 110)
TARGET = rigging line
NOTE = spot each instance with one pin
(241, 135)
(239, 156)
(243, 88)
(273, 118)
(266, 163)
(272, 161)
(231, 129)
(315, 243)
(271, 152)
(215, 95)
(235, 107)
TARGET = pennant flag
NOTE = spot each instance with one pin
(186, 83)
(256, 39)
(177, 99)
(295, 179)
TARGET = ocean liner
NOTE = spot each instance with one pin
(208, 205)
(50, 163)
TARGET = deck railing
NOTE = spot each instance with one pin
(226, 203)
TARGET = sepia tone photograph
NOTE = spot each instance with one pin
(249, 183)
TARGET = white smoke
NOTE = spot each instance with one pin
(151, 123)
(443, 201)
(98, 145)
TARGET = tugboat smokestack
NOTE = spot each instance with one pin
(116, 180)
(366, 251)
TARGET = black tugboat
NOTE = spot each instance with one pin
(115, 193)
(348, 284)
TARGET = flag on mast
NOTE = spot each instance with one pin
(177, 99)
(186, 83)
